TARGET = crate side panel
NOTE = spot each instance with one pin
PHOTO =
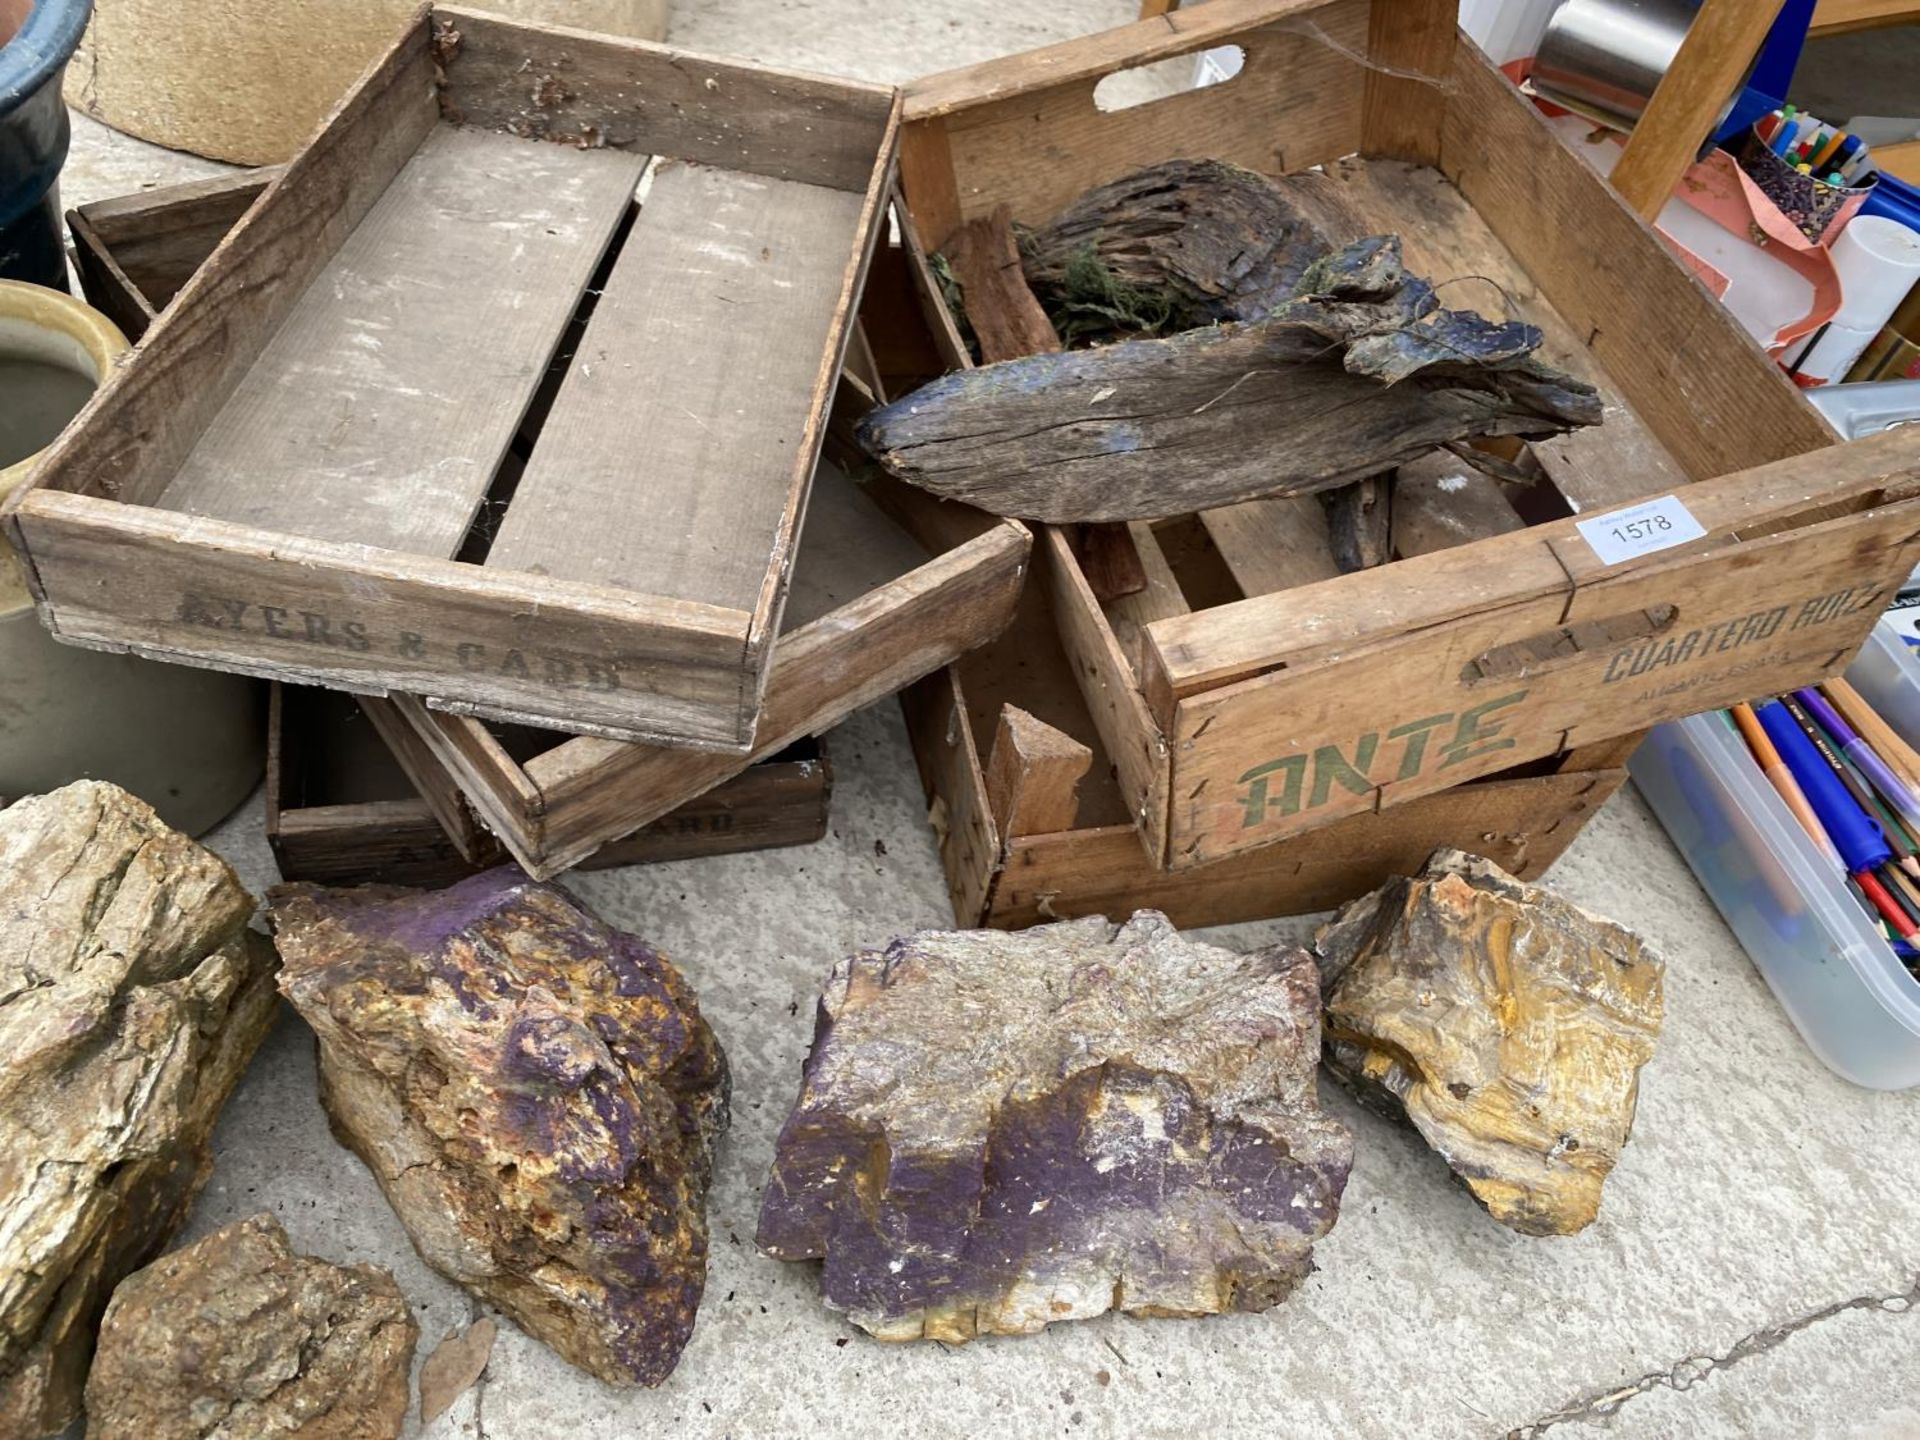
(594, 91)
(822, 673)
(1288, 753)
(1521, 825)
(1296, 103)
(204, 592)
(1707, 390)
(380, 410)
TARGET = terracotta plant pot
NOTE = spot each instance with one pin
(35, 41)
(250, 80)
(192, 743)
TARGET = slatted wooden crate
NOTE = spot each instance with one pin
(315, 466)
(342, 809)
(871, 610)
(1240, 707)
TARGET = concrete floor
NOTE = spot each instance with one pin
(1754, 1271)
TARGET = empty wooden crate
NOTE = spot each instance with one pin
(332, 459)
(877, 602)
(342, 809)
(1250, 694)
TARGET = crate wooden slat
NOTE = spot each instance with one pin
(708, 247)
(870, 608)
(342, 811)
(277, 487)
(366, 421)
(1275, 702)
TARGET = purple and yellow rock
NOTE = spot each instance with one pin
(996, 1131)
(535, 1091)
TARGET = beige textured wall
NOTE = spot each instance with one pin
(250, 80)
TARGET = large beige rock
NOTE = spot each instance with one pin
(131, 998)
(1505, 1024)
(251, 80)
(996, 1132)
(236, 1336)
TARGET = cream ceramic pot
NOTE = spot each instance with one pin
(191, 743)
(250, 80)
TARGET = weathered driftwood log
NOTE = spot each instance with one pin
(535, 1091)
(131, 999)
(1506, 1025)
(1360, 372)
(236, 1335)
(1179, 245)
(995, 1131)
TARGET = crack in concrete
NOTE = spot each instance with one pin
(1602, 1405)
(474, 1313)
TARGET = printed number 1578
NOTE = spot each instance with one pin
(1634, 531)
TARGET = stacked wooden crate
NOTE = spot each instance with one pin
(1254, 734)
(440, 414)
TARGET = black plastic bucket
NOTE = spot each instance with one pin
(33, 136)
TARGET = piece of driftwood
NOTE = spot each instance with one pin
(1363, 370)
(1007, 320)
(1360, 523)
(1174, 246)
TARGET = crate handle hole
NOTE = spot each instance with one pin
(1628, 638)
(1164, 79)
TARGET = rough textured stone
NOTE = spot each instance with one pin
(1507, 1025)
(536, 1093)
(998, 1131)
(236, 1336)
(131, 999)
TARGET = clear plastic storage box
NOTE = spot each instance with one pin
(1827, 962)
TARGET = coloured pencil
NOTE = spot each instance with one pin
(1775, 769)
(1880, 775)
(1887, 744)
(1889, 908)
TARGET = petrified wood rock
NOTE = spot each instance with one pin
(995, 1131)
(1179, 245)
(235, 1335)
(131, 999)
(1360, 372)
(1507, 1025)
(536, 1093)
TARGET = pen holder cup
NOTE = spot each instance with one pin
(1814, 206)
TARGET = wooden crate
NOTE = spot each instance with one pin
(307, 470)
(341, 810)
(869, 612)
(1032, 832)
(1239, 713)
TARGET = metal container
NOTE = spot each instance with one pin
(36, 39)
(1605, 58)
(191, 743)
